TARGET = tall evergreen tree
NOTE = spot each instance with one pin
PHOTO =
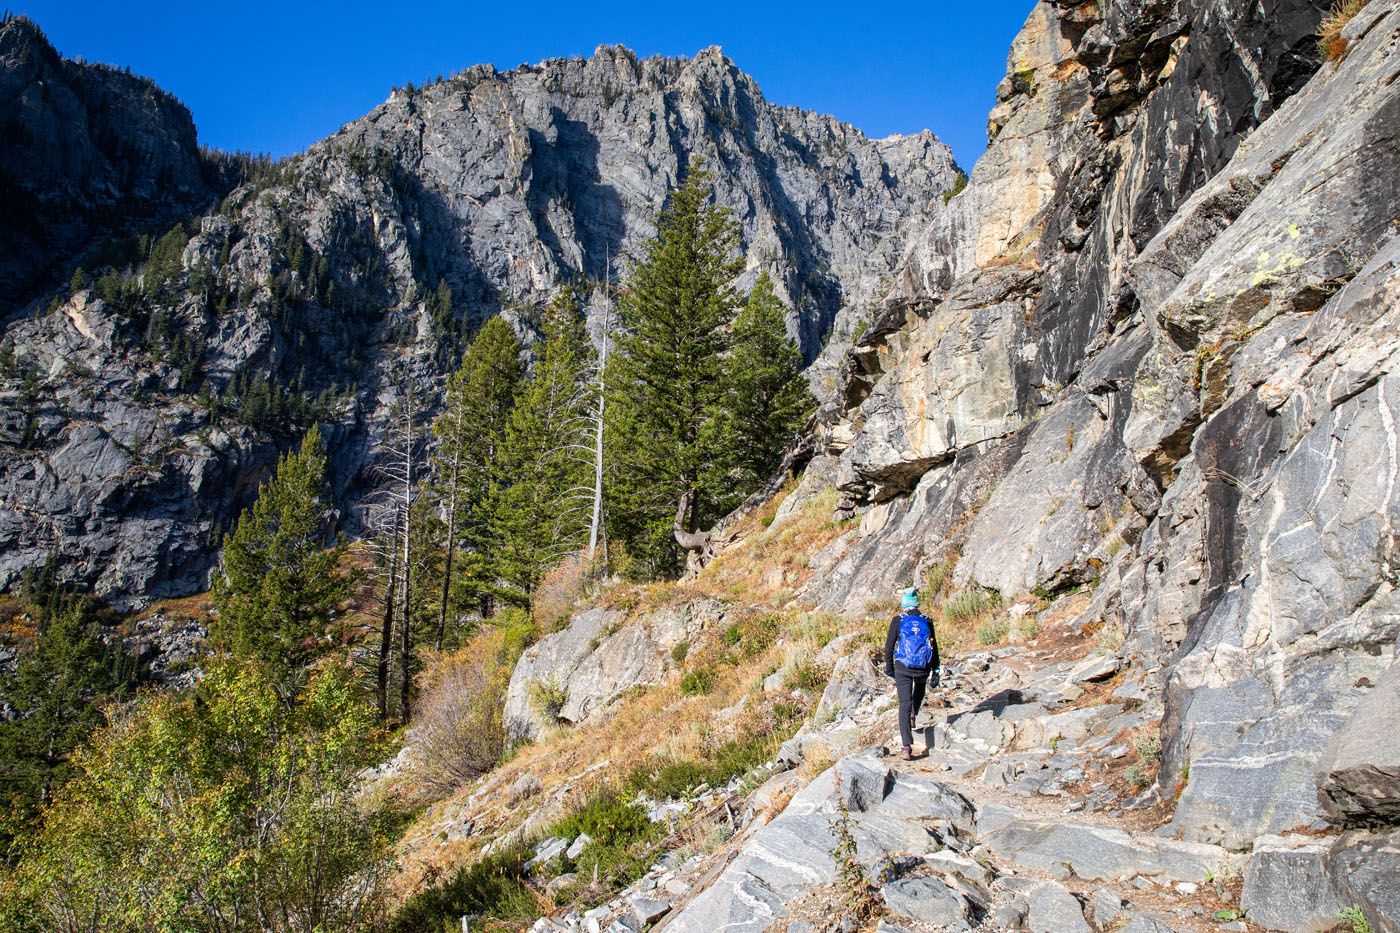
(669, 376)
(541, 494)
(470, 431)
(279, 582)
(57, 692)
(769, 398)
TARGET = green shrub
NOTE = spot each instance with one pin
(608, 817)
(677, 778)
(807, 676)
(1136, 777)
(698, 682)
(619, 835)
(959, 185)
(732, 635)
(969, 604)
(679, 652)
(1149, 748)
(673, 779)
(1356, 918)
(991, 632)
(493, 887)
(548, 698)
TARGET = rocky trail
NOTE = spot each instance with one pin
(1015, 814)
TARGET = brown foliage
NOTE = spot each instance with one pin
(457, 735)
(1329, 34)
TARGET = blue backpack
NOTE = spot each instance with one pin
(914, 648)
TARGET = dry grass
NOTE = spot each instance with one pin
(1329, 34)
(663, 723)
(186, 607)
(561, 590)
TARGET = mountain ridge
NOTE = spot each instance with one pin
(319, 286)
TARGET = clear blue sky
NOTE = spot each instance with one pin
(275, 77)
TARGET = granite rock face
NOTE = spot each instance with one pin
(315, 292)
(1152, 349)
(1358, 777)
(575, 673)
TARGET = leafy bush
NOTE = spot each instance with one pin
(1149, 748)
(609, 818)
(669, 779)
(732, 635)
(991, 632)
(493, 887)
(969, 604)
(679, 651)
(807, 676)
(548, 698)
(959, 185)
(205, 810)
(1354, 916)
(698, 682)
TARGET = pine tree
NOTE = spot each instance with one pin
(769, 398)
(57, 692)
(669, 376)
(470, 431)
(541, 495)
(279, 582)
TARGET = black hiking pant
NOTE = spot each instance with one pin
(910, 684)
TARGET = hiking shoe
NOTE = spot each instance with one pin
(906, 753)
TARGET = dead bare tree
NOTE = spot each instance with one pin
(390, 509)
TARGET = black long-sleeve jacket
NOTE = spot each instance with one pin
(893, 637)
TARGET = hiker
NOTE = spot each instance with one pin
(911, 658)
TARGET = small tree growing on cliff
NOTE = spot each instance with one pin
(280, 583)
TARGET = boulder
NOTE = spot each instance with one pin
(1105, 907)
(647, 910)
(1099, 853)
(547, 851)
(862, 782)
(1093, 668)
(1364, 868)
(1286, 886)
(1052, 909)
(595, 659)
(854, 681)
(578, 845)
(914, 797)
(1142, 923)
(928, 900)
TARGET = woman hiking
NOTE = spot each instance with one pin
(911, 657)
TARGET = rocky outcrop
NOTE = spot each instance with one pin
(1358, 776)
(1174, 385)
(573, 675)
(319, 291)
